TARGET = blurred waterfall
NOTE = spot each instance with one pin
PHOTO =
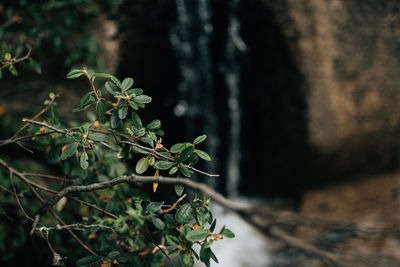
(234, 46)
(190, 39)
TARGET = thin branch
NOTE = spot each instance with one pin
(295, 242)
(75, 226)
(52, 177)
(9, 63)
(133, 179)
(22, 138)
(173, 205)
(17, 198)
(74, 236)
(31, 183)
(36, 116)
(65, 131)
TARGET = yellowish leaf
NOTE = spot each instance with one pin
(155, 185)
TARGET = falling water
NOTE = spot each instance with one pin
(234, 46)
(190, 39)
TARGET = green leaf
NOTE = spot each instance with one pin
(173, 170)
(69, 151)
(199, 139)
(208, 243)
(152, 160)
(114, 120)
(142, 99)
(155, 124)
(227, 233)
(187, 259)
(102, 75)
(13, 70)
(154, 207)
(127, 83)
(142, 165)
(122, 112)
(133, 105)
(35, 66)
(213, 256)
(172, 240)
(147, 139)
(158, 223)
(202, 154)
(179, 189)
(113, 254)
(88, 260)
(101, 111)
(137, 122)
(1, 74)
(185, 154)
(212, 227)
(203, 217)
(205, 255)
(84, 160)
(184, 213)
(98, 137)
(7, 56)
(111, 88)
(163, 164)
(185, 171)
(116, 81)
(178, 147)
(135, 91)
(196, 234)
(74, 74)
(85, 100)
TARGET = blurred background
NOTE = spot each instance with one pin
(299, 99)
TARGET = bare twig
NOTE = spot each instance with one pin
(9, 63)
(52, 177)
(17, 198)
(36, 116)
(173, 205)
(153, 151)
(295, 242)
(133, 179)
(74, 226)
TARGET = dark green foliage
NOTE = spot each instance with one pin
(91, 152)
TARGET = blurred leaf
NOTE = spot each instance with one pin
(158, 223)
(142, 99)
(142, 165)
(199, 139)
(184, 213)
(154, 207)
(98, 137)
(69, 151)
(196, 234)
(155, 124)
(202, 154)
(179, 189)
(122, 112)
(88, 260)
(84, 161)
(74, 74)
(163, 164)
(136, 120)
(101, 111)
(127, 83)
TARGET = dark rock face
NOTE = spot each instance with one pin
(318, 85)
(348, 54)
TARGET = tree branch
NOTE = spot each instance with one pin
(133, 179)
